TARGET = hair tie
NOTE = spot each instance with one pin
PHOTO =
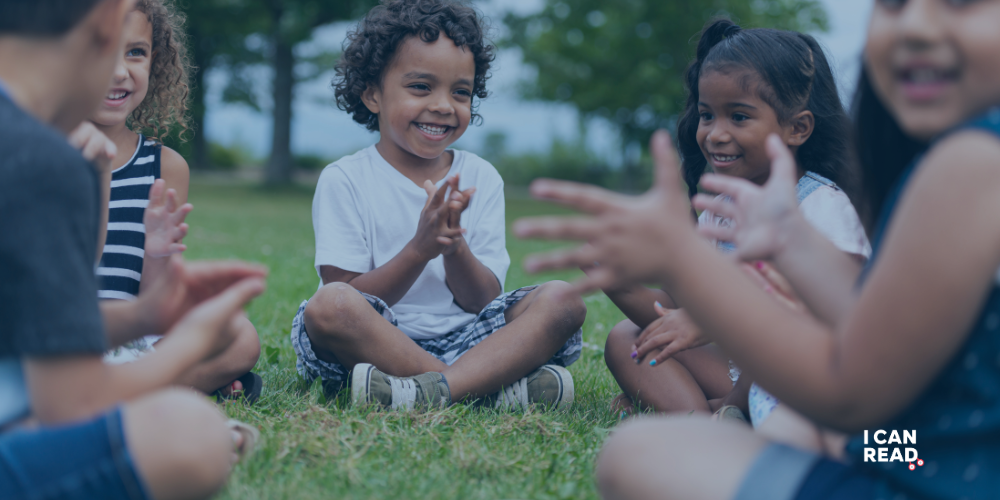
(731, 30)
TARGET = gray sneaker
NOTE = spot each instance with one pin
(550, 386)
(368, 384)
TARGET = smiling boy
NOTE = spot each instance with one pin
(419, 230)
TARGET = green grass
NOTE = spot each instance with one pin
(318, 449)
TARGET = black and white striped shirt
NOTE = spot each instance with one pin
(120, 270)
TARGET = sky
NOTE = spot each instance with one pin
(319, 128)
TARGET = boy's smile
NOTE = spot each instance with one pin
(424, 104)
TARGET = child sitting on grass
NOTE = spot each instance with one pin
(410, 236)
(71, 426)
(744, 85)
(148, 92)
(913, 348)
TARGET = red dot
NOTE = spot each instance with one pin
(920, 462)
(912, 467)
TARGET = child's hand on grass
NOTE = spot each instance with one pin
(671, 333)
(164, 221)
(631, 236)
(763, 217)
(434, 233)
(94, 146)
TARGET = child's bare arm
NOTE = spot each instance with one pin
(473, 284)
(912, 316)
(392, 280)
(206, 298)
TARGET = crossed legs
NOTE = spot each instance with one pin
(344, 328)
(689, 381)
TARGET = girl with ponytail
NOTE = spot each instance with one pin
(744, 85)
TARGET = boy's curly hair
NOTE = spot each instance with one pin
(369, 49)
(166, 102)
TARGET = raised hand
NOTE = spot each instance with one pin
(761, 215)
(434, 233)
(671, 333)
(164, 221)
(94, 146)
(184, 286)
(629, 236)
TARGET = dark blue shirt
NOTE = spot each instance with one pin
(957, 418)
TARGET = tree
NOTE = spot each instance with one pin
(291, 22)
(217, 31)
(625, 61)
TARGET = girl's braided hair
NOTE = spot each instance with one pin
(166, 102)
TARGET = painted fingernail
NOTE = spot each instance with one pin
(622, 417)
(652, 363)
(658, 304)
(769, 289)
(760, 265)
(635, 354)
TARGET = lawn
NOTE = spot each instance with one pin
(314, 448)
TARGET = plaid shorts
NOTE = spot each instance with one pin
(448, 348)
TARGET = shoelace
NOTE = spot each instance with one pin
(514, 395)
(404, 392)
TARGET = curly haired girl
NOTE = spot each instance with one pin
(147, 99)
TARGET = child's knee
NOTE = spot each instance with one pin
(176, 436)
(331, 308)
(562, 297)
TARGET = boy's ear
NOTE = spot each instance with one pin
(371, 97)
(802, 125)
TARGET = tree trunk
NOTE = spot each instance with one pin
(279, 167)
(199, 144)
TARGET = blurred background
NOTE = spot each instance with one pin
(577, 88)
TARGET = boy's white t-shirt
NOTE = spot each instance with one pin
(365, 212)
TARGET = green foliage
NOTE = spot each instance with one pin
(230, 157)
(568, 160)
(313, 448)
(310, 161)
(624, 60)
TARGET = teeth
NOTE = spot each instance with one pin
(432, 129)
(114, 96)
(725, 159)
(924, 76)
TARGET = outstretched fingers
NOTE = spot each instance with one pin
(581, 197)
(783, 167)
(558, 228)
(718, 206)
(666, 174)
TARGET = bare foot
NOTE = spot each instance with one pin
(231, 389)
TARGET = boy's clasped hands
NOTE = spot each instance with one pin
(440, 231)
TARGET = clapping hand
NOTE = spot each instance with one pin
(164, 222)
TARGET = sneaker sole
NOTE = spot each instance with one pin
(565, 399)
(361, 378)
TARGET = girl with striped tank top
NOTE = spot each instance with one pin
(145, 187)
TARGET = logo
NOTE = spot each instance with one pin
(900, 453)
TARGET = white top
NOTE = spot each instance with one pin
(830, 211)
(365, 212)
